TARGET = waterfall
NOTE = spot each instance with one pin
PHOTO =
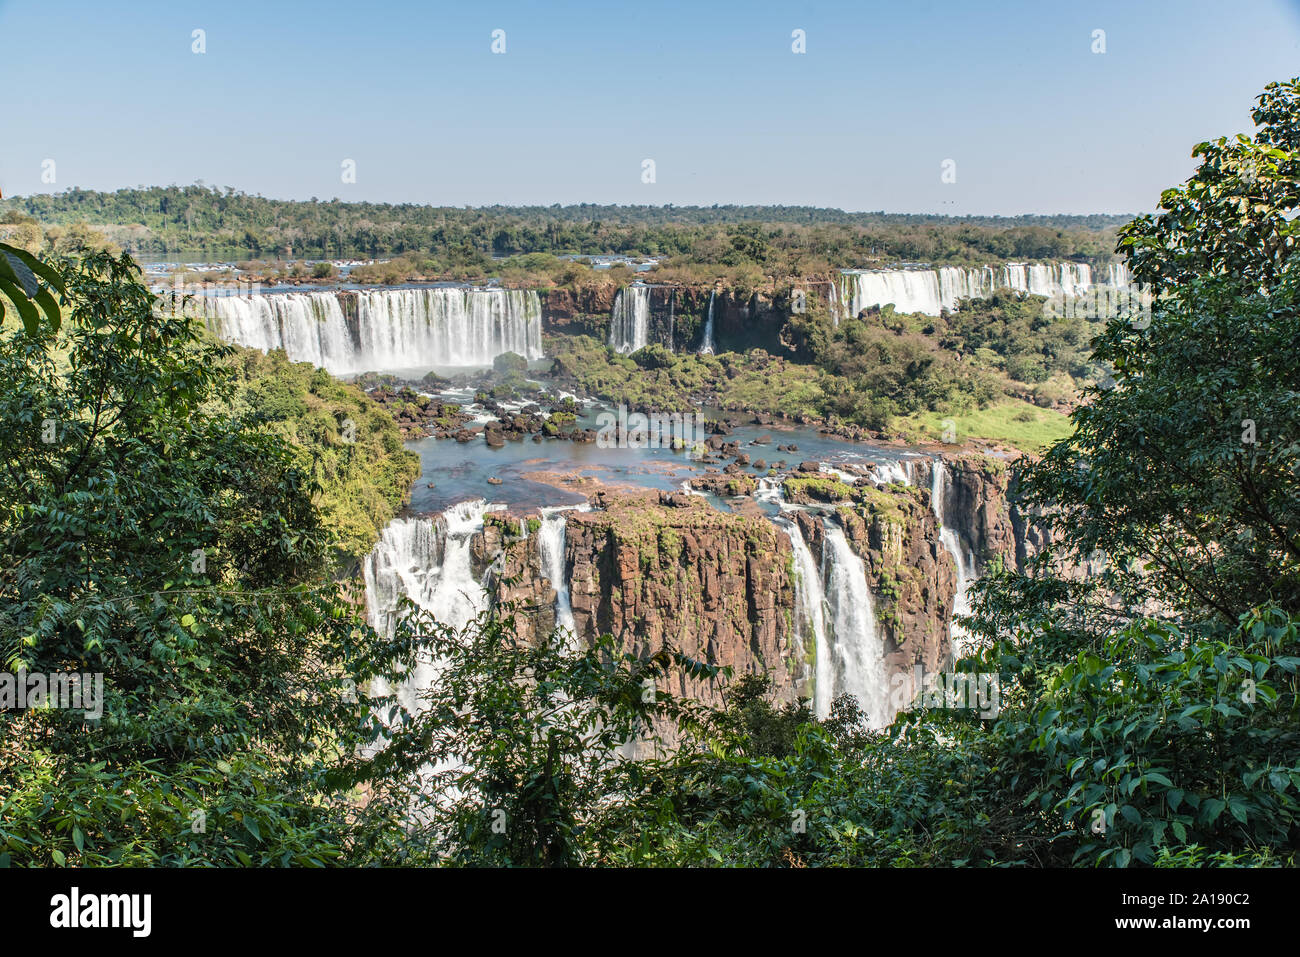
(550, 544)
(391, 329)
(309, 327)
(769, 492)
(931, 290)
(835, 613)
(858, 666)
(892, 472)
(672, 306)
(707, 348)
(428, 561)
(834, 303)
(629, 327)
(910, 290)
(952, 544)
(810, 606)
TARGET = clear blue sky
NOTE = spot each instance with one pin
(711, 91)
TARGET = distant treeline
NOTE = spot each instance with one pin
(780, 239)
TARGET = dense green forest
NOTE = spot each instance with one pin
(785, 241)
(166, 528)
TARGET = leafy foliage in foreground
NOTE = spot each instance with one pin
(176, 550)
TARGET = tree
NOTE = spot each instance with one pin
(1156, 703)
(1185, 473)
(155, 540)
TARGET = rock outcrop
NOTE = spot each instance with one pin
(912, 578)
(655, 569)
(715, 586)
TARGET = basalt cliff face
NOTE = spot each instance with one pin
(911, 576)
(582, 311)
(677, 316)
(657, 569)
(714, 586)
(982, 504)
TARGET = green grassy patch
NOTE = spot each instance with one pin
(1009, 421)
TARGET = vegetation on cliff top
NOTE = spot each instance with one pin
(343, 440)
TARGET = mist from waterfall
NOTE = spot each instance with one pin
(387, 329)
(629, 326)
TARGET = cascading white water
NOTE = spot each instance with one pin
(707, 348)
(448, 326)
(810, 606)
(910, 290)
(309, 327)
(629, 325)
(769, 491)
(550, 545)
(848, 478)
(931, 290)
(857, 653)
(952, 544)
(393, 328)
(836, 614)
(891, 472)
(428, 561)
(672, 319)
(1056, 279)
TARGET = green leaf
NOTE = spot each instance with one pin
(15, 270)
(44, 270)
(1211, 808)
(78, 839)
(51, 308)
(31, 318)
